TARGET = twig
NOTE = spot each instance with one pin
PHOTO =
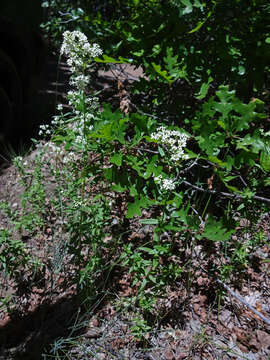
(243, 181)
(126, 74)
(142, 112)
(236, 196)
(147, 150)
(238, 297)
(201, 219)
(189, 167)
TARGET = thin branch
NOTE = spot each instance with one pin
(243, 301)
(201, 219)
(189, 167)
(243, 181)
(122, 71)
(235, 196)
(147, 150)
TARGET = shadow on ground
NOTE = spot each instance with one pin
(27, 338)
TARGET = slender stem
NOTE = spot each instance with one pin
(235, 196)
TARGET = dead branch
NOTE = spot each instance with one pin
(234, 196)
(243, 301)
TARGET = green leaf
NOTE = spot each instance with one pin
(133, 191)
(162, 73)
(161, 151)
(188, 7)
(135, 207)
(251, 142)
(259, 104)
(149, 221)
(215, 231)
(116, 159)
(119, 188)
(152, 168)
(241, 70)
(265, 158)
(170, 60)
(136, 164)
(138, 53)
(204, 89)
(148, 250)
(140, 122)
(217, 161)
(109, 60)
(201, 23)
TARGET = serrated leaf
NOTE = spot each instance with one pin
(170, 60)
(265, 158)
(135, 207)
(204, 89)
(153, 279)
(116, 159)
(152, 168)
(133, 191)
(215, 231)
(162, 73)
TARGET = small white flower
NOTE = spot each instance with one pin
(80, 81)
(60, 107)
(78, 50)
(165, 184)
(17, 159)
(174, 140)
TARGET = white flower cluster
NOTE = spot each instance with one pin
(50, 150)
(44, 130)
(17, 160)
(75, 100)
(57, 121)
(79, 54)
(174, 140)
(78, 50)
(165, 184)
(78, 129)
(79, 81)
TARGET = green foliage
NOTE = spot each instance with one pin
(206, 65)
(224, 138)
(229, 138)
(16, 263)
(214, 231)
(13, 254)
(184, 47)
